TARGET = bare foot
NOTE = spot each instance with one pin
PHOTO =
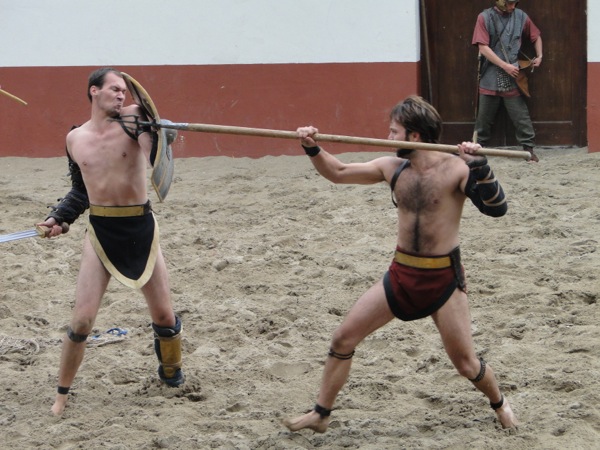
(59, 404)
(506, 416)
(311, 420)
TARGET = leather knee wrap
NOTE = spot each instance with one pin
(337, 355)
(167, 345)
(481, 372)
(76, 337)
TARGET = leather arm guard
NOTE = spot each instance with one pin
(484, 190)
(72, 205)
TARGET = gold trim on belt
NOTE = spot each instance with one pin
(419, 262)
(119, 211)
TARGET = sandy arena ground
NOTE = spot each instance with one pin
(265, 258)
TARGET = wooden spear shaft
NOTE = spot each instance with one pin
(245, 131)
(14, 97)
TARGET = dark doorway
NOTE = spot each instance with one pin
(558, 88)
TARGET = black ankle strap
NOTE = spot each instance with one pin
(498, 405)
(62, 390)
(323, 412)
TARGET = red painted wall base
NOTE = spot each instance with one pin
(347, 99)
(593, 108)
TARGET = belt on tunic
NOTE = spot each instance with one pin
(419, 262)
(120, 211)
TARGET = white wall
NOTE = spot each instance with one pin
(205, 32)
(593, 19)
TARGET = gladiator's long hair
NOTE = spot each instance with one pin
(96, 78)
(416, 115)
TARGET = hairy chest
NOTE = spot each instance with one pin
(420, 192)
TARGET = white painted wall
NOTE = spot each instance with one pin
(205, 32)
(593, 30)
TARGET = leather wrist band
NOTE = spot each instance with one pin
(312, 151)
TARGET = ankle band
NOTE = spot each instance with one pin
(323, 412)
(498, 405)
(62, 390)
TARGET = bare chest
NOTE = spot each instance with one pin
(420, 193)
(112, 150)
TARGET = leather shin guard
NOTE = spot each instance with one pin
(167, 345)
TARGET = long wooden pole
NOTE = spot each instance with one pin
(427, 51)
(479, 60)
(245, 131)
(14, 97)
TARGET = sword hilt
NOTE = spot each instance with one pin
(42, 231)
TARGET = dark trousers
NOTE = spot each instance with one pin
(517, 111)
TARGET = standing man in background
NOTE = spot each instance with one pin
(498, 33)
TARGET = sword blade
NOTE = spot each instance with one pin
(34, 232)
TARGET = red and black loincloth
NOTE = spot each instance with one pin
(417, 286)
(125, 239)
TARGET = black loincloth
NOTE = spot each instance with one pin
(127, 246)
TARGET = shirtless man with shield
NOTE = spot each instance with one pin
(107, 164)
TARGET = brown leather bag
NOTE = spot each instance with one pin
(522, 81)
